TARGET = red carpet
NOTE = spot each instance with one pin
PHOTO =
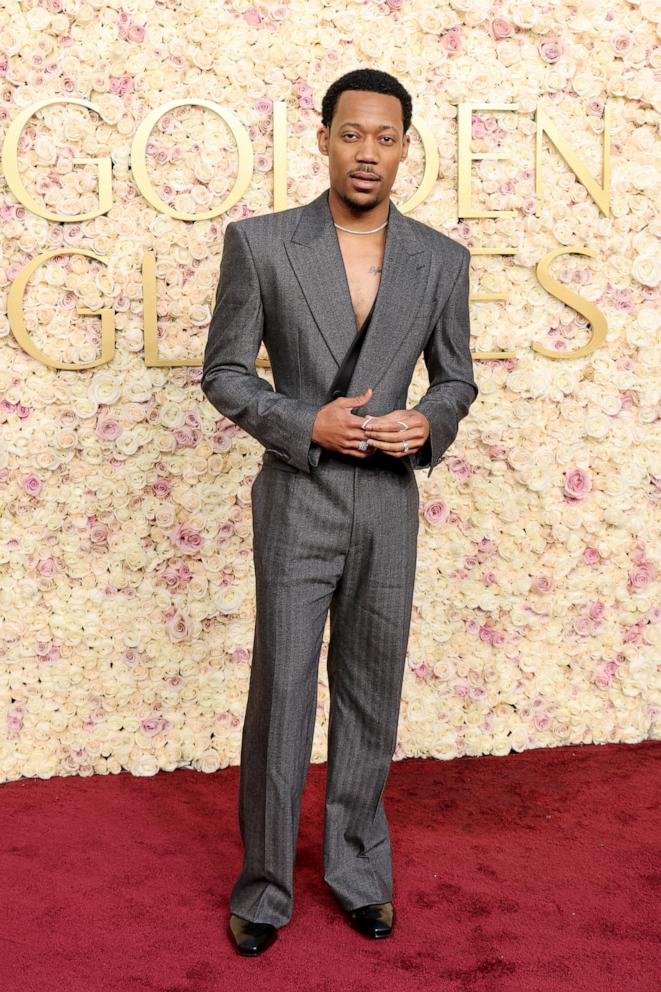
(535, 872)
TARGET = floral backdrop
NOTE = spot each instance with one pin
(126, 602)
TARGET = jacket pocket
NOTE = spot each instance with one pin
(274, 460)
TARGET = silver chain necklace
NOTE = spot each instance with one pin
(349, 231)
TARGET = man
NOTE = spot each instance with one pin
(335, 502)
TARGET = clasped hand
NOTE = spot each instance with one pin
(340, 430)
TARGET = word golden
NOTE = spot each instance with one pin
(545, 126)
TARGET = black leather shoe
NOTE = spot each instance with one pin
(251, 938)
(375, 920)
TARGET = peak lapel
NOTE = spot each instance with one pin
(315, 255)
(403, 279)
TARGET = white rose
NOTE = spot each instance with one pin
(646, 269)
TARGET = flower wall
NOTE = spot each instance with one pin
(126, 601)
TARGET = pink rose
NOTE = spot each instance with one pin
(621, 42)
(301, 88)
(435, 512)
(641, 576)
(47, 567)
(187, 539)
(486, 548)
(634, 634)
(99, 533)
(627, 363)
(225, 532)
(14, 721)
(161, 487)
(595, 106)
(178, 627)
(241, 656)
(551, 50)
(591, 556)
(31, 484)
(263, 106)
(577, 484)
(500, 27)
(153, 725)
(541, 584)
(478, 127)
(121, 85)
(170, 578)
(186, 437)
(452, 41)
(108, 428)
(136, 33)
(252, 17)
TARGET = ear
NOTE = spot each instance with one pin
(322, 139)
(406, 141)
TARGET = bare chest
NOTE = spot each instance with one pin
(363, 264)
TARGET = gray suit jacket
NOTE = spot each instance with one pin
(282, 279)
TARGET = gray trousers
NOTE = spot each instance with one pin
(344, 539)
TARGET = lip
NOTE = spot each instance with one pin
(364, 180)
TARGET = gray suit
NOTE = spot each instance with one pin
(331, 532)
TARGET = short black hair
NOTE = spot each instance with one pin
(366, 79)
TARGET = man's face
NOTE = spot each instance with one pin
(365, 143)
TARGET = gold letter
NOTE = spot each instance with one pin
(152, 358)
(490, 355)
(600, 194)
(17, 324)
(560, 292)
(466, 156)
(15, 183)
(139, 162)
(432, 162)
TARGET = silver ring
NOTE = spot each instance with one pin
(406, 445)
(363, 445)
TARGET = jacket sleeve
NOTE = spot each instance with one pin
(452, 386)
(230, 382)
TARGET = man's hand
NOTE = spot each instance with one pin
(337, 428)
(387, 432)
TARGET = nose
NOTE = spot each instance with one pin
(368, 151)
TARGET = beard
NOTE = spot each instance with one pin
(360, 206)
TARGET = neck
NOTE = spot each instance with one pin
(357, 220)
